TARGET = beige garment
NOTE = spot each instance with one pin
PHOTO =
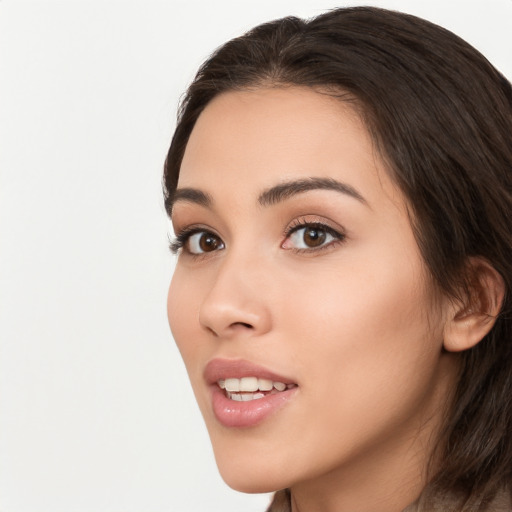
(501, 503)
(280, 502)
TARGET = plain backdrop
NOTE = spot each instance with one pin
(96, 412)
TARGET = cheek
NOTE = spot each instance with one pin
(174, 298)
(366, 339)
(182, 313)
(366, 358)
(357, 304)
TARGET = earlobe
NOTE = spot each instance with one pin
(467, 324)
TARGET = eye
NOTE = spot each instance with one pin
(196, 242)
(311, 236)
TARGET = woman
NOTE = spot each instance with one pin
(341, 191)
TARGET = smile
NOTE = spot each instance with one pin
(244, 394)
(251, 388)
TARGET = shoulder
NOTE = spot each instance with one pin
(500, 502)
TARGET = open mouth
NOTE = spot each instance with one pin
(246, 389)
(245, 394)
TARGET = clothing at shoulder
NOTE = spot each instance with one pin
(502, 502)
(281, 502)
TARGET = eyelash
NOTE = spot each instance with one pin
(178, 243)
(302, 223)
(182, 237)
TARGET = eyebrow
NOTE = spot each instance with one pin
(189, 195)
(270, 196)
(286, 190)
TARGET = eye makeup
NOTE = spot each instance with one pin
(305, 234)
(195, 240)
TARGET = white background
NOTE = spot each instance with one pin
(96, 413)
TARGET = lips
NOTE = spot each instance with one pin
(244, 394)
(218, 369)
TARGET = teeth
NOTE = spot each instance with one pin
(232, 385)
(265, 385)
(251, 384)
(245, 397)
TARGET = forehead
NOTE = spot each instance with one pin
(254, 139)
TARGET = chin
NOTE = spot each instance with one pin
(251, 485)
(251, 475)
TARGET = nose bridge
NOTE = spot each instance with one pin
(236, 300)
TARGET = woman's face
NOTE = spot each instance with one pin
(300, 288)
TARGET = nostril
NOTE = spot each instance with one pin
(243, 324)
(234, 327)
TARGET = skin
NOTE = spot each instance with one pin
(357, 324)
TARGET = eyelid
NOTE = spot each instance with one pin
(305, 221)
(314, 220)
(179, 241)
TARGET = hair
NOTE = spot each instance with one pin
(440, 116)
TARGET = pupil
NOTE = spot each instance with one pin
(314, 237)
(208, 243)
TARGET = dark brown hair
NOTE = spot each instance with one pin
(441, 117)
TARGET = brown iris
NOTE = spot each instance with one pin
(313, 237)
(208, 242)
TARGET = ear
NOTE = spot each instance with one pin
(468, 323)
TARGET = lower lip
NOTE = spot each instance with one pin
(247, 414)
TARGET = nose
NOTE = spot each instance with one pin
(236, 304)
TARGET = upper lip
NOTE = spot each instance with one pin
(218, 369)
